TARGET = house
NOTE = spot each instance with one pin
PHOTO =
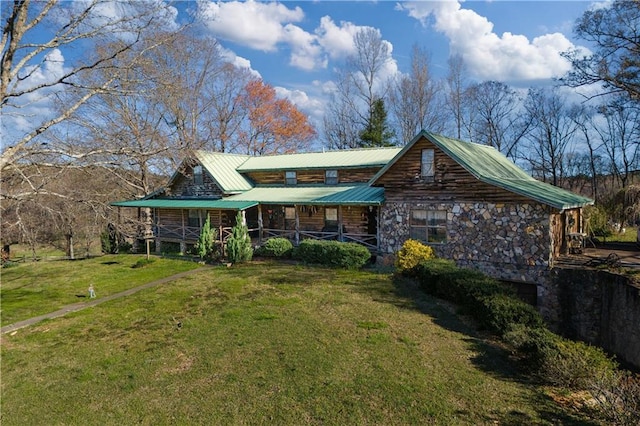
(468, 201)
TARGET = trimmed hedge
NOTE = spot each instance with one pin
(554, 359)
(275, 247)
(332, 253)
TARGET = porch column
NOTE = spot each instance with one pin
(378, 222)
(340, 236)
(297, 237)
(259, 223)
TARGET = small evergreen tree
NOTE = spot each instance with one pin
(239, 243)
(377, 131)
(206, 241)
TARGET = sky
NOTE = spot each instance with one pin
(297, 46)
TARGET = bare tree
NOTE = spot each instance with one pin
(414, 99)
(620, 138)
(359, 84)
(31, 69)
(456, 88)
(498, 122)
(552, 132)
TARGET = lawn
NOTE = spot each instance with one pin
(31, 289)
(267, 343)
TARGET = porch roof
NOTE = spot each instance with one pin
(313, 195)
(172, 203)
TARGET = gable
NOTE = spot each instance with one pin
(471, 171)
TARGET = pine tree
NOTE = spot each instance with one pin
(239, 243)
(377, 132)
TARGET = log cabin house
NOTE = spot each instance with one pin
(468, 201)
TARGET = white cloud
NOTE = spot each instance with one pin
(336, 40)
(487, 55)
(238, 61)
(258, 25)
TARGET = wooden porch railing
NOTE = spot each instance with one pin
(191, 234)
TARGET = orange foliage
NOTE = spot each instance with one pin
(274, 125)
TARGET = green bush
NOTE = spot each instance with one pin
(275, 247)
(412, 253)
(533, 346)
(239, 243)
(142, 263)
(499, 313)
(575, 365)
(332, 253)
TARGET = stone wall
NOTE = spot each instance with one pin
(506, 241)
(598, 307)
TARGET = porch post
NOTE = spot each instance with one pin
(297, 237)
(259, 223)
(340, 235)
(378, 222)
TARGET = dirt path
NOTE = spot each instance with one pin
(93, 302)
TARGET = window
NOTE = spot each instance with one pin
(289, 213)
(197, 218)
(429, 226)
(290, 178)
(331, 177)
(197, 175)
(427, 171)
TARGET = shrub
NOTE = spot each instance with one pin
(332, 253)
(239, 243)
(205, 246)
(412, 253)
(499, 313)
(534, 346)
(275, 247)
(576, 365)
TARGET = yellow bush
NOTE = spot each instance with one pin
(411, 254)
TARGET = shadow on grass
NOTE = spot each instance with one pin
(492, 358)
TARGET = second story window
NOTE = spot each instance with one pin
(290, 178)
(427, 169)
(331, 177)
(197, 175)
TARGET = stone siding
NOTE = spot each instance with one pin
(506, 241)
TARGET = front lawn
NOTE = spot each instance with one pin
(267, 344)
(34, 288)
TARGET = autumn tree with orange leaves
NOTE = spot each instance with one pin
(273, 125)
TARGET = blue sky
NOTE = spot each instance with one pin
(296, 46)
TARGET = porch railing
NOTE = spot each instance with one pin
(191, 234)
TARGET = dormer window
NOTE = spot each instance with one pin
(290, 178)
(427, 169)
(198, 178)
(331, 177)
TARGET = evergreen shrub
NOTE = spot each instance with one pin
(332, 253)
(239, 243)
(275, 247)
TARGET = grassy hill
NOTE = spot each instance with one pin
(263, 344)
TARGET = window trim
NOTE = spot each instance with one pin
(430, 234)
(290, 177)
(428, 170)
(331, 180)
(198, 175)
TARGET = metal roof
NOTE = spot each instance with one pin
(172, 203)
(366, 157)
(314, 195)
(489, 165)
(223, 168)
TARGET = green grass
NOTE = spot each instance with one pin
(31, 289)
(266, 343)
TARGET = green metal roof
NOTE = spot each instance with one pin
(489, 165)
(366, 157)
(314, 195)
(171, 203)
(223, 168)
